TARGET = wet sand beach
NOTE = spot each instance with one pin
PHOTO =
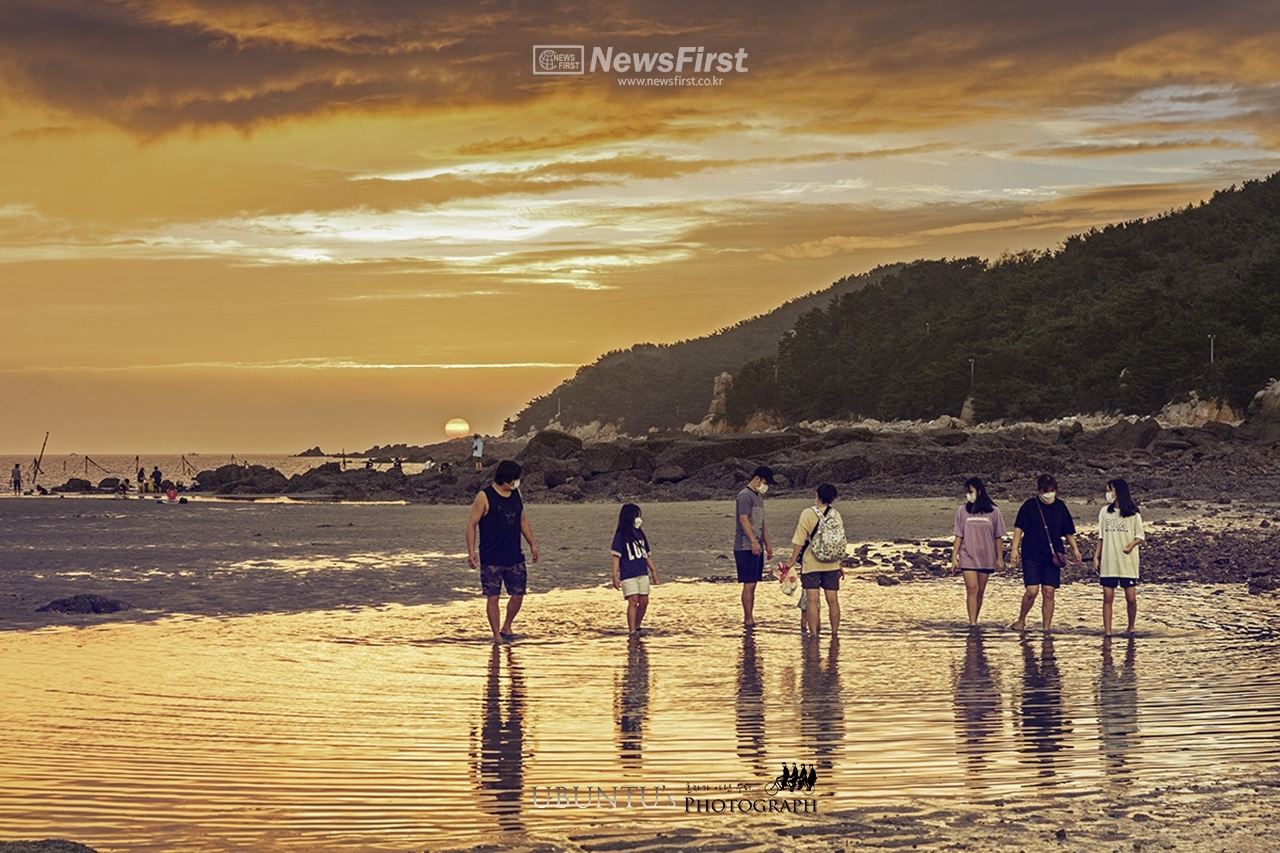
(318, 677)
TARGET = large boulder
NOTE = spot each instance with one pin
(255, 480)
(837, 471)
(1262, 418)
(84, 603)
(608, 458)
(1124, 435)
(692, 455)
(75, 484)
(550, 442)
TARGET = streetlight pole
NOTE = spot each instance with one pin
(1211, 349)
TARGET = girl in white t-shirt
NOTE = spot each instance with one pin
(1116, 557)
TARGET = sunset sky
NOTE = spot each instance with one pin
(254, 226)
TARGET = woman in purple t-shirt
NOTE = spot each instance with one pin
(979, 544)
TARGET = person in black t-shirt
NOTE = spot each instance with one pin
(1043, 522)
(497, 515)
(633, 567)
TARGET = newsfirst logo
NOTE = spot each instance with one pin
(553, 59)
(550, 59)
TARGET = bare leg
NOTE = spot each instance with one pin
(833, 611)
(642, 604)
(1046, 606)
(1131, 604)
(513, 607)
(1108, 597)
(1028, 599)
(632, 607)
(811, 611)
(975, 584)
(748, 604)
(491, 608)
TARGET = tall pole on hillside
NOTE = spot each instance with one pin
(971, 361)
(1211, 349)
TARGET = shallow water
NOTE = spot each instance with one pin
(396, 728)
(331, 687)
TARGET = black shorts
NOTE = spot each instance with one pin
(979, 571)
(750, 566)
(1123, 583)
(821, 580)
(1036, 573)
(492, 579)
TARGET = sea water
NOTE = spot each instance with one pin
(320, 677)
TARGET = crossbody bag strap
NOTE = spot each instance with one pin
(1046, 526)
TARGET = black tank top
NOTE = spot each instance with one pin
(500, 530)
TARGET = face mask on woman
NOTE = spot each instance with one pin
(1111, 496)
(515, 484)
(1049, 497)
(971, 497)
(638, 522)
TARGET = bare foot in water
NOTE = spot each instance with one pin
(1020, 625)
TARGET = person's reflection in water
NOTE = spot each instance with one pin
(1044, 723)
(749, 706)
(821, 705)
(978, 702)
(631, 699)
(497, 763)
(1118, 711)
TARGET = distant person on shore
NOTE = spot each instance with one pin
(818, 547)
(751, 545)
(142, 480)
(978, 549)
(633, 568)
(16, 476)
(477, 451)
(497, 515)
(1042, 523)
(157, 480)
(1115, 560)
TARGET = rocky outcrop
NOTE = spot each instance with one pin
(49, 845)
(84, 604)
(1262, 418)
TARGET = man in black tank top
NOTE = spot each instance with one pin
(497, 515)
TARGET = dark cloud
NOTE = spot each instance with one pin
(154, 65)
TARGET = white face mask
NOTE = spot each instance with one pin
(515, 484)
(1049, 497)
(638, 522)
(1111, 497)
(971, 497)
(762, 488)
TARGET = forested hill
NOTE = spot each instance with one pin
(668, 386)
(1117, 319)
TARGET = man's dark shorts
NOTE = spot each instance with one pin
(750, 566)
(1036, 573)
(493, 577)
(820, 580)
(1123, 583)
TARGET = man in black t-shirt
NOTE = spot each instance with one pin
(497, 516)
(1043, 522)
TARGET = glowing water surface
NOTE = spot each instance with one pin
(397, 728)
(318, 678)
